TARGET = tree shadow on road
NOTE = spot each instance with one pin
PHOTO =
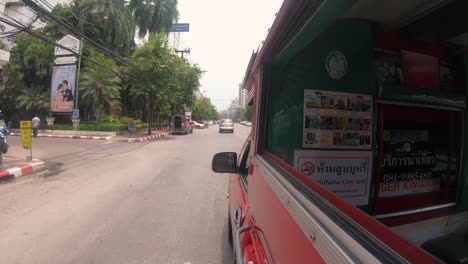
(51, 169)
(166, 138)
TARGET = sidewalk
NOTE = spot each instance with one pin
(140, 136)
(13, 167)
(67, 136)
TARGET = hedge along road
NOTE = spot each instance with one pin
(156, 203)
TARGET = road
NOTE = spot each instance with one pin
(114, 202)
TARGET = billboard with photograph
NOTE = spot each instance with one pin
(62, 92)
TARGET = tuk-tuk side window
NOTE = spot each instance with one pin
(244, 161)
(313, 70)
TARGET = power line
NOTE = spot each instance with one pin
(18, 25)
(41, 11)
(46, 3)
(31, 20)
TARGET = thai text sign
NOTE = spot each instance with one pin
(25, 127)
(70, 42)
(345, 173)
(408, 164)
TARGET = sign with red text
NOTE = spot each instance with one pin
(345, 173)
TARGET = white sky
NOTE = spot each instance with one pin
(221, 39)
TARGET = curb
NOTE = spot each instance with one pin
(66, 136)
(22, 170)
(147, 138)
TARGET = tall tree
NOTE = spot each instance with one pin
(203, 109)
(153, 59)
(100, 86)
(153, 16)
(108, 22)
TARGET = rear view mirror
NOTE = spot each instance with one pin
(225, 162)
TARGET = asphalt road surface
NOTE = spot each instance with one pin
(114, 202)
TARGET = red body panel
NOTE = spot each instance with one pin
(286, 241)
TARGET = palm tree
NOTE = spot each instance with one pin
(33, 100)
(153, 16)
(118, 25)
(108, 22)
(99, 86)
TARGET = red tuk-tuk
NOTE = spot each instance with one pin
(358, 146)
(180, 124)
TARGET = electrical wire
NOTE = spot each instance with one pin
(51, 7)
(46, 3)
(18, 25)
(52, 18)
(14, 32)
(31, 20)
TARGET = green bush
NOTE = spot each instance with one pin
(59, 127)
(111, 119)
(160, 125)
(141, 126)
(103, 126)
(128, 120)
(100, 126)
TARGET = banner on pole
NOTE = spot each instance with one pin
(62, 92)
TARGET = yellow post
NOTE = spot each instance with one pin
(25, 127)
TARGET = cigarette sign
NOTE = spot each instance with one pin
(345, 173)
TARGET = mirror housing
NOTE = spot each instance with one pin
(224, 162)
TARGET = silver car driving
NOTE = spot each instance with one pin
(226, 125)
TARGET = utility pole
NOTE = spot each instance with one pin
(183, 51)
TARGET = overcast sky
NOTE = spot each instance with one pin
(221, 39)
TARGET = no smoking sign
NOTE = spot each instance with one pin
(308, 168)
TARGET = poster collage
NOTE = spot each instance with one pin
(337, 120)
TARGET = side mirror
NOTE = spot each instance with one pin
(225, 162)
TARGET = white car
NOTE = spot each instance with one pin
(248, 123)
(210, 123)
(197, 125)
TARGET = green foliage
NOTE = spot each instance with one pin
(247, 113)
(33, 59)
(141, 126)
(108, 22)
(111, 119)
(33, 100)
(96, 126)
(154, 16)
(100, 87)
(128, 120)
(121, 120)
(203, 109)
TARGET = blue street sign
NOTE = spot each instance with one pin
(180, 27)
(76, 113)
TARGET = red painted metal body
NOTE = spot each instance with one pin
(278, 236)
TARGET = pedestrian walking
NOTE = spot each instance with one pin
(35, 125)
